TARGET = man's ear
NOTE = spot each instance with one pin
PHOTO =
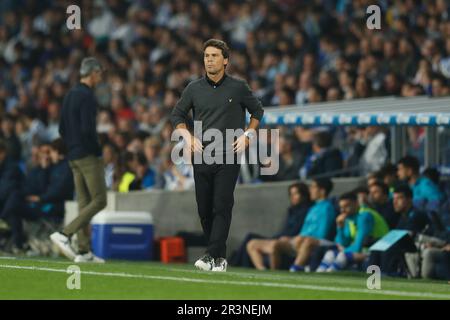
(225, 62)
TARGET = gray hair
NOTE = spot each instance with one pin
(89, 65)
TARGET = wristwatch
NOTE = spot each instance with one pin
(249, 134)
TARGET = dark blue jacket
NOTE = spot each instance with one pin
(13, 146)
(36, 181)
(60, 185)
(11, 178)
(414, 221)
(388, 213)
(78, 126)
(294, 220)
(328, 161)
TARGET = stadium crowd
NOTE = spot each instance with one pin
(290, 52)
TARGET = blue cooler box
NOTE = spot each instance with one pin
(123, 235)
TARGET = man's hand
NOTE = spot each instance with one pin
(241, 144)
(33, 198)
(340, 220)
(194, 144)
(44, 161)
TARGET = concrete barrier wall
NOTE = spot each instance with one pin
(259, 208)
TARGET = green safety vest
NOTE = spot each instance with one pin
(380, 227)
(126, 181)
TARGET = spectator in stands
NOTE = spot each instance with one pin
(10, 182)
(334, 94)
(145, 176)
(357, 227)
(256, 247)
(375, 151)
(304, 84)
(111, 162)
(416, 142)
(410, 89)
(362, 194)
(388, 174)
(410, 219)
(433, 174)
(373, 178)
(153, 120)
(250, 172)
(391, 85)
(315, 94)
(284, 97)
(318, 226)
(379, 200)
(152, 150)
(60, 186)
(290, 161)
(8, 135)
(128, 166)
(34, 129)
(55, 185)
(363, 87)
(355, 148)
(105, 121)
(324, 160)
(53, 110)
(177, 177)
(439, 87)
(346, 83)
(423, 188)
(36, 178)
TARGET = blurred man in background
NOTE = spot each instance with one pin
(11, 178)
(78, 130)
(424, 190)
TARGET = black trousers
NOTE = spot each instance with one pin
(214, 188)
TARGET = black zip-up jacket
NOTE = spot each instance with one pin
(218, 105)
(78, 124)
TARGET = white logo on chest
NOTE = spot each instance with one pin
(230, 99)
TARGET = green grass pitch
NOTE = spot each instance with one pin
(40, 278)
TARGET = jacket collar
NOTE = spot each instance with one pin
(215, 84)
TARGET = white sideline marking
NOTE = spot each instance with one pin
(249, 275)
(239, 283)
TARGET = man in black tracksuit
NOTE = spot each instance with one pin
(219, 102)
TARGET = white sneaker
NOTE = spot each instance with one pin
(88, 257)
(63, 244)
(220, 265)
(205, 263)
(332, 268)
